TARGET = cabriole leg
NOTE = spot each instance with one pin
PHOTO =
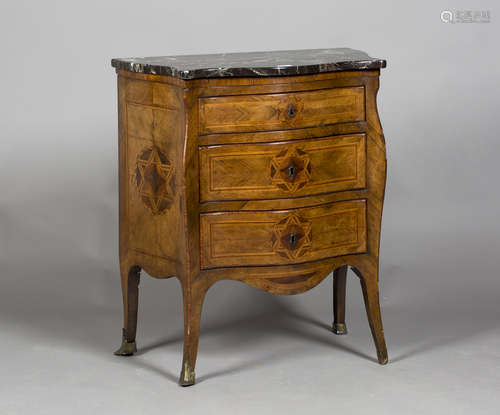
(130, 289)
(339, 290)
(369, 285)
(193, 302)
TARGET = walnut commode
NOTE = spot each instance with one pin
(267, 168)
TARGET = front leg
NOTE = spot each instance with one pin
(130, 277)
(369, 283)
(193, 296)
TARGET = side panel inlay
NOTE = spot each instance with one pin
(155, 180)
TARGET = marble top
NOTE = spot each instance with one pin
(223, 65)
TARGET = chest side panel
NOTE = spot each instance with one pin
(151, 168)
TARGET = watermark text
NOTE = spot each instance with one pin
(465, 16)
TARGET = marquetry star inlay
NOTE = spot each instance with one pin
(292, 237)
(290, 169)
(154, 174)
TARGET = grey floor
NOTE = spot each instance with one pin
(261, 353)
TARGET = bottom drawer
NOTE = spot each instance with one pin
(284, 236)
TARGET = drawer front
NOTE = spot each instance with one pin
(267, 171)
(245, 113)
(282, 237)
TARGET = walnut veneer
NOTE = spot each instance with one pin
(272, 181)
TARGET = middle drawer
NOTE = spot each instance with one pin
(284, 169)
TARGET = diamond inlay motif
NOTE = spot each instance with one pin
(292, 237)
(155, 180)
(291, 169)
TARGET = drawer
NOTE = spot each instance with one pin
(282, 237)
(277, 170)
(245, 113)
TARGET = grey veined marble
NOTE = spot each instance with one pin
(222, 65)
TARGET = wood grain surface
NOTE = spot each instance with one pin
(282, 169)
(281, 111)
(274, 182)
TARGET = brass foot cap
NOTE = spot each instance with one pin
(187, 375)
(339, 328)
(383, 359)
(126, 349)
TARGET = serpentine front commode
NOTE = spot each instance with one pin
(267, 168)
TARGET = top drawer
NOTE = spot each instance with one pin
(246, 113)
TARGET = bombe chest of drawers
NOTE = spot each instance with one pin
(268, 168)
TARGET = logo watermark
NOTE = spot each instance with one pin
(465, 16)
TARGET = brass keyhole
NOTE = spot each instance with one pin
(293, 239)
(291, 111)
(291, 171)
